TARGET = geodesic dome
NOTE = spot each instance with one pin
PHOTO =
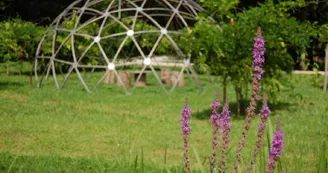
(110, 34)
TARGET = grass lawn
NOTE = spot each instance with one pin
(43, 130)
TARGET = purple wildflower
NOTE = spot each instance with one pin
(277, 146)
(225, 117)
(265, 112)
(185, 131)
(185, 124)
(258, 60)
(226, 128)
(215, 105)
(215, 119)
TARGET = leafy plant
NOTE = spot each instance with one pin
(228, 53)
(19, 40)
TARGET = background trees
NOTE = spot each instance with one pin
(289, 42)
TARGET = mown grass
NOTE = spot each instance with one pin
(43, 130)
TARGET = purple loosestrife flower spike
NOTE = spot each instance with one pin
(264, 114)
(185, 124)
(258, 60)
(185, 131)
(215, 119)
(226, 128)
(277, 146)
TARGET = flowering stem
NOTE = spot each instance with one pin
(215, 145)
(186, 158)
(258, 56)
(185, 131)
(277, 146)
(265, 112)
(226, 128)
(242, 143)
(215, 118)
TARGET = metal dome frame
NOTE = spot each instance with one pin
(113, 12)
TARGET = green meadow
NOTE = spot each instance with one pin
(43, 130)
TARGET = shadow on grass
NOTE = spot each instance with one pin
(24, 73)
(6, 85)
(206, 113)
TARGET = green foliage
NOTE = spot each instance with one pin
(282, 34)
(203, 44)
(219, 8)
(19, 39)
(229, 53)
(323, 33)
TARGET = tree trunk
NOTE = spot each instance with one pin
(326, 70)
(21, 68)
(303, 62)
(224, 88)
(31, 73)
(7, 69)
(238, 99)
(246, 90)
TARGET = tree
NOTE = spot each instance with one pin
(323, 35)
(229, 53)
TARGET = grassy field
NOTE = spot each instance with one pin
(43, 130)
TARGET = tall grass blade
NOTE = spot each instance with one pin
(262, 159)
(118, 163)
(136, 164)
(165, 155)
(322, 164)
(279, 166)
(12, 163)
(202, 169)
(167, 170)
(142, 160)
(298, 162)
(269, 133)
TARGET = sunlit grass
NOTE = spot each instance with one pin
(104, 131)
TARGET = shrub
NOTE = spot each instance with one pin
(228, 53)
(19, 41)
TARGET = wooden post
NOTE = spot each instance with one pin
(165, 76)
(125, 78)
(174, 77)
(171, 77)
(110, 77)
(326, 70)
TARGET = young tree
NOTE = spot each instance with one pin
(228, 53)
